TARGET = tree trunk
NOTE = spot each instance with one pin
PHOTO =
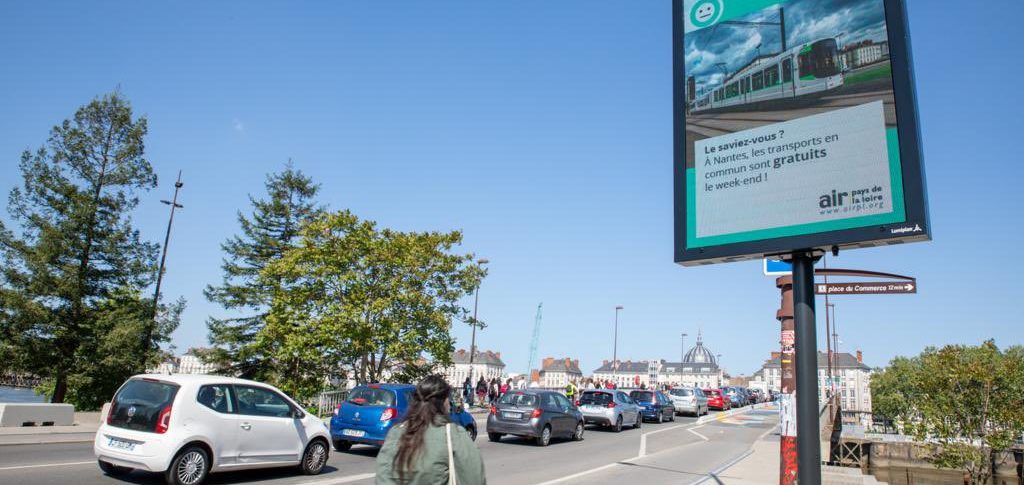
(60, 388)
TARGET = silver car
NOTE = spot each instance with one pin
(689, 400)
(610, 407)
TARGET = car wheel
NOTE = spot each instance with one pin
(545, 436)
(342, 445)
(661, 417)
(639, 421)
(113, 470)
(314, 458)
(495, 437)
(618, 424)
(189, 467)
(578, 435)
(472, 432)
(673, 416)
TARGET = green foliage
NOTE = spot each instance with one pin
(964, 402)
(70, 281)
(372, 303)
(272, 229)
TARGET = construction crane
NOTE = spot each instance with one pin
(533, 343)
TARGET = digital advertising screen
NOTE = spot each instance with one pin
(789, 120)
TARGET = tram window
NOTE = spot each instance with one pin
(787, 70)
(806, 69)
(771, 76)
(758, 81)
(732, 90)
(746, 82)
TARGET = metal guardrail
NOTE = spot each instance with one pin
(329, 401)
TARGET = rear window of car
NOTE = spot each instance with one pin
(681, 392)
(645, 396)
(599, 398)
(372, 396)
(137, 405)
(518, 399)
(713, 392)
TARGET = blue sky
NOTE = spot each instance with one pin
(541, 129)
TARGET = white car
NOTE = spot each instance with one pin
(689, 400)
(188, 426)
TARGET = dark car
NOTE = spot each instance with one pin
(654, 405)
(536, 414)
(736, 396)
(372, 410)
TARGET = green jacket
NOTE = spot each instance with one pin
(430, 466)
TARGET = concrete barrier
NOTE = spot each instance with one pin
(25, 414)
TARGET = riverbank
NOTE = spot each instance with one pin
(18, 394)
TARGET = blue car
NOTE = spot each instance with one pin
(654, 405)
(372, 410)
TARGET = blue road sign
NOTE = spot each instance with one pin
(777, 267)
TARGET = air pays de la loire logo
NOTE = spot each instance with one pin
(705, 13)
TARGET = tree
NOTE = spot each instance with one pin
(78, 260)
(272, 229)
(963, 402)
(375, 303)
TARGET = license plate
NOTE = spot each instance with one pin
(508, 415)
(120, 445)
(358, 433)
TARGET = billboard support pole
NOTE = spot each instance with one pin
(808, 440)
(787, 389)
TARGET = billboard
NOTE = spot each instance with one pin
(795, 128)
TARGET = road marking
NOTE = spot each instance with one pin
(580, 474)
(348, 479)
(45, 465)
(692, 430)
(714, 473)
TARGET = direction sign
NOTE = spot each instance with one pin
(866, 288)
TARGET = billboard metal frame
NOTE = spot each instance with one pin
(916, 227)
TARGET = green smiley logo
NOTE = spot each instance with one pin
(705, 13)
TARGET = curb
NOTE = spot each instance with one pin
(43, 441)
(731, 412)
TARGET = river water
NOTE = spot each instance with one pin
(15, 394)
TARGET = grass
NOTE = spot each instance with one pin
(884, 70)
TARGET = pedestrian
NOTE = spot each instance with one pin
(481, 390)
(427, 449)
(570, 391)
(492, 391)
(507, 386)
(467, 392)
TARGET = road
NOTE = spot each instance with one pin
(679, 452)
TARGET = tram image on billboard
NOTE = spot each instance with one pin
(808, 69)
(782, 61)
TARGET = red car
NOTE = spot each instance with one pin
(717, 399)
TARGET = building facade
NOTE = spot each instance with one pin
(699, 368)
(485, 363)
(558, 373)
(190, 363)
(852, 379)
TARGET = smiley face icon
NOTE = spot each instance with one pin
(705, 12)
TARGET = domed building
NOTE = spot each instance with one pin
(699, 368)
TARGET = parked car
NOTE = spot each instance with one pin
(759, 396)
(372, 410)
(536, 414)
(188, 426)
(736, 396)
(717, 399)
(654, 405)
(689, 400)
(609, 407)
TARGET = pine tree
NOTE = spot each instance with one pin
(78, 260)
(272, 229)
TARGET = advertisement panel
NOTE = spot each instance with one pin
(795, 128)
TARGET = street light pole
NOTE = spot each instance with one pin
(148, 335)
(476, 303)
(615, 348)
(682, 353)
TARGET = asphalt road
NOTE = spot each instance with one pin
(680, 452)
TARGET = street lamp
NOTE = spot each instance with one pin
(615, 349)
(476, 302)
(148, 335)
(682, 352)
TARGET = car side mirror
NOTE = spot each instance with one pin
(297, 414)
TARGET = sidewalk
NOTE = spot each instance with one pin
(83, 431)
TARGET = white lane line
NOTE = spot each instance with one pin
(693, 430)
(348, 479)
(46, 465)
(577, 475)
(643, 439)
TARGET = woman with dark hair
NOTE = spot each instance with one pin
(426, 449)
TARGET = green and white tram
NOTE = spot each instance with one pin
(811, 68)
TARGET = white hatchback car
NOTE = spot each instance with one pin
(188, 426)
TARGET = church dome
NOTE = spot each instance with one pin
(699, 354)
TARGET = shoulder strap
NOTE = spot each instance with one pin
(451, 457)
